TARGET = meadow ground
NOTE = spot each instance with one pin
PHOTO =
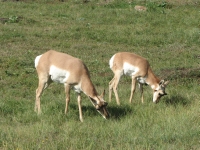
(167, 34)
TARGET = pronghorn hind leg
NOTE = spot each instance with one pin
(43, 83)
(115, 84)
(49, 81)
(39, 91)
(111, 88)
(132, 88)
(67, 91)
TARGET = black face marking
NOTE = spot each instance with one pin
(100, 107)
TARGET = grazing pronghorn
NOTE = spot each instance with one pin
(125, 63)
(72, 72)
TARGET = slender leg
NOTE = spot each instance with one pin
(67, 91)
(110, 89)
(44, 81)
(116, 82)
(49, 81)
(141, 91)
(132, 88)
(39, 91)
(79, 107)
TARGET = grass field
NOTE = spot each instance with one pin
(167, 34)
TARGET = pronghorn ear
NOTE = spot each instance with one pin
(103, 94)
(161, 82)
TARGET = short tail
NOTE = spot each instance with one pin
(37, 60)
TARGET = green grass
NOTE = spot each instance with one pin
(167, 34)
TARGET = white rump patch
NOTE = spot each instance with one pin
(37, 60)
(58, 75)
(111, 61)
(129, 69)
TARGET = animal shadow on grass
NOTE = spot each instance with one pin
(177, 100)
(87, 110)
(116, 112)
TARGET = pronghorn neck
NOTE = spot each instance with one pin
(87, 87)
(152, 80)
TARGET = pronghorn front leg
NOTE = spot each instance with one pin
(132, 88)
(67, 91)
(79, 107)
(141, 91)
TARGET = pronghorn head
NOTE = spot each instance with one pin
(158, 93)
(100, 105)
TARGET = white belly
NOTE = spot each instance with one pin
(131, 70)
(58, 75)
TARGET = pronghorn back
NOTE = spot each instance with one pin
(127, 62)
(60, 64)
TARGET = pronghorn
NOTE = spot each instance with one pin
(72, 72)
(125, 63)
